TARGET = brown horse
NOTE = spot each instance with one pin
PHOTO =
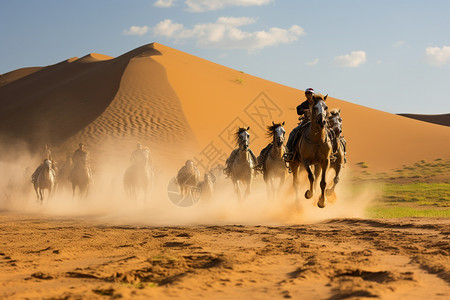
(271, 159)
(45, 180)
(337, 159)
(241, 163)
(81, 177)
(188, 178)
(314, 148)
(138, 176)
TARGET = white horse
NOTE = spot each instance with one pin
(45, 180)
(241, 164)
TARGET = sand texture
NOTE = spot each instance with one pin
(54, 258)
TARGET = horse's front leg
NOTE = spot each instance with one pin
(41, 195)
(323, 184)
(248, 187)
(282, 181)
(237, 189)
(309, 193)
(36, 189)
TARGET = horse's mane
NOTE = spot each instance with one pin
(335, 111)
(271, 129)
(319, 97)
(238, 132)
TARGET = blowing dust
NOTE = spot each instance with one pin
(107, 201)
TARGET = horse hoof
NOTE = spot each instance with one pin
(321, 203)
(308, 194)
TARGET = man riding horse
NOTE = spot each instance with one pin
(140, 155)
(46, 154)
(304, 113)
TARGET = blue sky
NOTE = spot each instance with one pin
(389, 55)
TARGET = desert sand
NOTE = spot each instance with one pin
(59, 258)
(184, 107)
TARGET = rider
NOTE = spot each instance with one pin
(140, 155)
(80, 155)
(304, 115)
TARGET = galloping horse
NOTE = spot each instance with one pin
(187, 178)
(241, 163)
(138, 176)
(337, 159)
(271, 159)
(45, 179)
(81, 176)
(314, 148)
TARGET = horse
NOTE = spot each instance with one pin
(45, 179)
(314, 148)
(187, 178)
(138, 176)
(241, 163)
(271, 159)
(337, 159)
(207, 186)
(81, 176)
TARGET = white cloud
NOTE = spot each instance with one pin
(167, 28)
(164, 3)
(398, 44)
(207, 5)
(352, 60)
(438, 56)
(136, 30)
(226, 34)
(313, 63)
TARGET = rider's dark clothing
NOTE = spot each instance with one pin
(302, 108)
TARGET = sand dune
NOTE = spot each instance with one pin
(185, 107)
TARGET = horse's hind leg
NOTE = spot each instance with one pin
(295, 181)
(337, 169)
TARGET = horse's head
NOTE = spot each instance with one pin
(319, 110)
(335, 121)
(48, 164)
(277, 132)
(243, 137)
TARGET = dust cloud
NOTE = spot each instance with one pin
(107, 201)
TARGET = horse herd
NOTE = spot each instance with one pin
(319, 147)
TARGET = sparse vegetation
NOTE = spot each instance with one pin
(363, 165)
(418, 190)
(239, 80)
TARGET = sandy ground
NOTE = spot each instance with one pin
(72, 258)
